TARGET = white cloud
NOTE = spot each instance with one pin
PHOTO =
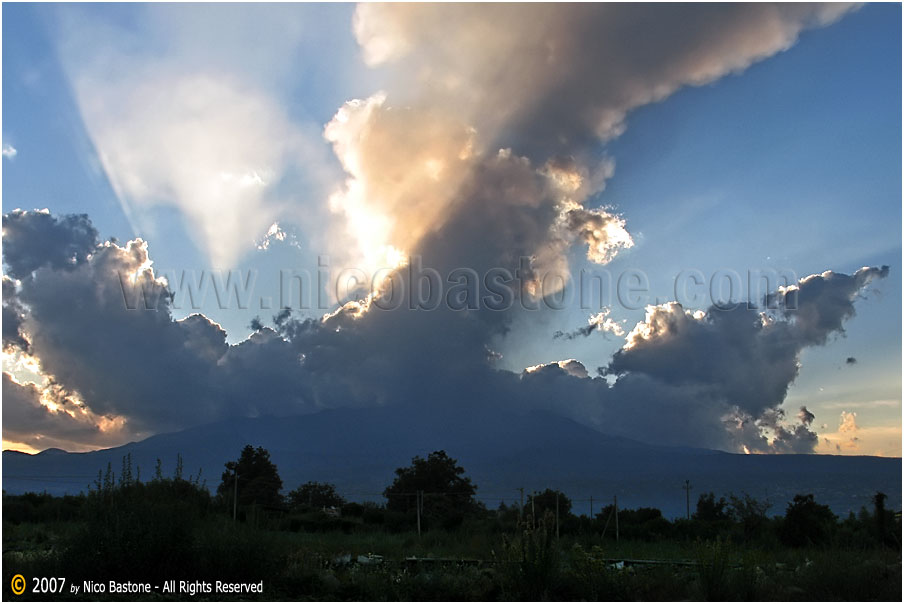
(188, 111)
(208, 146)
(848, 422)
(9, 151)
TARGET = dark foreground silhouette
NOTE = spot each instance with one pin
(432, 539)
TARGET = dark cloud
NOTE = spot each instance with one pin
(598, 322)
(850, 361)
(819, 304)
(461, 187)
(715, 378)
(13, 314)
(744, 358)
(805, 416)
(102, 326)
(68, 426)
(35, 239)
(580, 332)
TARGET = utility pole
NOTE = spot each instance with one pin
(687, 489)
(533, 511)
(557, 514)
(419, 496)
(606, 526)
(615, 503)
(591, 508)
(235, 494)
(521, 509)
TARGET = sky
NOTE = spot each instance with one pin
(646, 144)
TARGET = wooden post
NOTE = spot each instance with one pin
(557, 514)
(533, 511)
(419, 496)
(687, 494)
(235, 494)
(615, 502)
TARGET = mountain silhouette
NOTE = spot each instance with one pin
(358, 450)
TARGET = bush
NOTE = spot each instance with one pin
(529, 561)
(713, 566)
(138, 528)
(352, 509)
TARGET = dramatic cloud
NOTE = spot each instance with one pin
(712, 378)
(745, 358)
(48, 416)
(541, 84)
(482, 153)
(100, 325)
(208, 132)
(823, 302)
(558, 77)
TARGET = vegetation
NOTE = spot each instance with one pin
(440, 478)
(253, 480)
(312, 544)
(315, 495)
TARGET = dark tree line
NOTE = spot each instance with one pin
(436, 491)
(173, 528)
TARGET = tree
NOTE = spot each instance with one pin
(884, 520)
(258, 479)
(711, 510)
(539, 503)
(750, 513)
(448, 494)
(807, 522)
(316, 495)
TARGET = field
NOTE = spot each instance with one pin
(313, 556)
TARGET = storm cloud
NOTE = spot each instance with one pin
(714, 378)
(431, 174)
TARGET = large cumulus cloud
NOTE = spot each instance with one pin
(115, 362)
(100, 324)
(559, 77)
(483, 150)
(544, 84)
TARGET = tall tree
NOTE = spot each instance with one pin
(258, 479)
(880, 513)
(540, 503)
(710, 509)
(807, 522)
(448, 493)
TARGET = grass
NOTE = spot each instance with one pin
(299, 566)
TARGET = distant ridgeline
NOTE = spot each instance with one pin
(358, 450)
